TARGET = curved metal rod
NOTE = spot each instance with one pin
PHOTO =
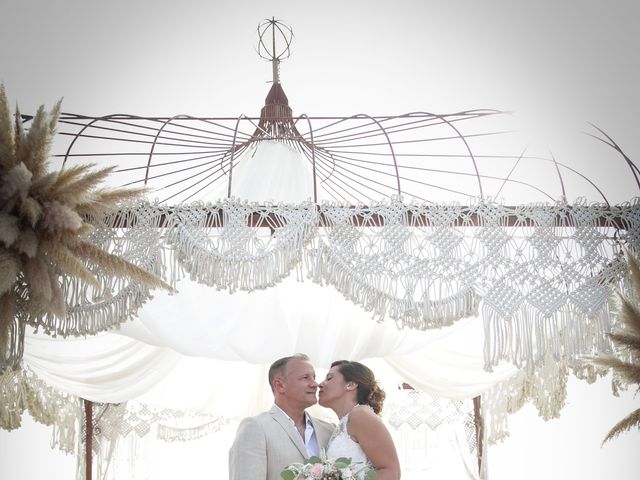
(324, 157)
(221, 169)
(212, 169)
(191, 185)
(79, 134)
(321, 151)
(588, 180)
(233, 151)
(464, 140)
(313, 158)
(155, 140)
(174, 172)
(278, 24)
(209, 155)
(329, 168)
(616, 147)
(354, 178)
(466, 114)
(508, 177)
(555, 163)
(393, 153)
(350, 161)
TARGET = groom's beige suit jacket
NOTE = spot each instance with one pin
(267, 443)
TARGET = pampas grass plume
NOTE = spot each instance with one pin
(627, 340)
(44, 219)
(9, 230)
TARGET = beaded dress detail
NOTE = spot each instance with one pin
(342, 445)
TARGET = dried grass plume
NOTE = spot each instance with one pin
(628, 342)
(44, 219)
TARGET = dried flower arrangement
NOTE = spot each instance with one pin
(628, 341)
(44, 219)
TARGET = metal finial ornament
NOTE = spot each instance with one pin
(274, 43)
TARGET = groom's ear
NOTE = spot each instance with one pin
(278, 385)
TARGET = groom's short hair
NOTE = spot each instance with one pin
(279, 367)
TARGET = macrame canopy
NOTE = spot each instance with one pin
(404, 215)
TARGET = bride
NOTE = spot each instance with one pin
(350, 389)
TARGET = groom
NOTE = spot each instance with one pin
(267, 443)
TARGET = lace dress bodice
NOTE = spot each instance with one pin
(342, 445)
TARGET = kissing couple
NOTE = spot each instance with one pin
(269, 442)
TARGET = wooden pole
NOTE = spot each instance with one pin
(88, 418)
(263, 218)
(479, 431)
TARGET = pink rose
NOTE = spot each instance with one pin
(317, 470)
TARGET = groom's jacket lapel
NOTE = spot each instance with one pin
(289, 429)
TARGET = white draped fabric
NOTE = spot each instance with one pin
(101, 368)
(241, 334)
(214, 369)
(191, 352)
(264, 169)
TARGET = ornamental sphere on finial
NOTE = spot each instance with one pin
(274, 39)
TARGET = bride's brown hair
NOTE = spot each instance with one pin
(369, 392)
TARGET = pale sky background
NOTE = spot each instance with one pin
(163, 58)
(563, 62)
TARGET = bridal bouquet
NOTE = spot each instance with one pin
(323, 468)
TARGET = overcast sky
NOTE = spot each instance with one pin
(574, 61)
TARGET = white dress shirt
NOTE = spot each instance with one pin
(310, 440)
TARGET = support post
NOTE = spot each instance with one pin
(88, 419)
(479, 423)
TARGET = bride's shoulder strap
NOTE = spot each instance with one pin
(363, 408)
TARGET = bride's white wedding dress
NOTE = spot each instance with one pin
(342, 445)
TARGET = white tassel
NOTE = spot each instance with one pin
(173, 434)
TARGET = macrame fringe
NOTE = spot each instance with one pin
(528, 337)
(12, 343)
(21, 390)
(209, 268)
(92, 310)
(434, 273)
(12, 399)
(231, 267)
(545, 387)
(174, 434)
(92, 318)
(373, 294)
